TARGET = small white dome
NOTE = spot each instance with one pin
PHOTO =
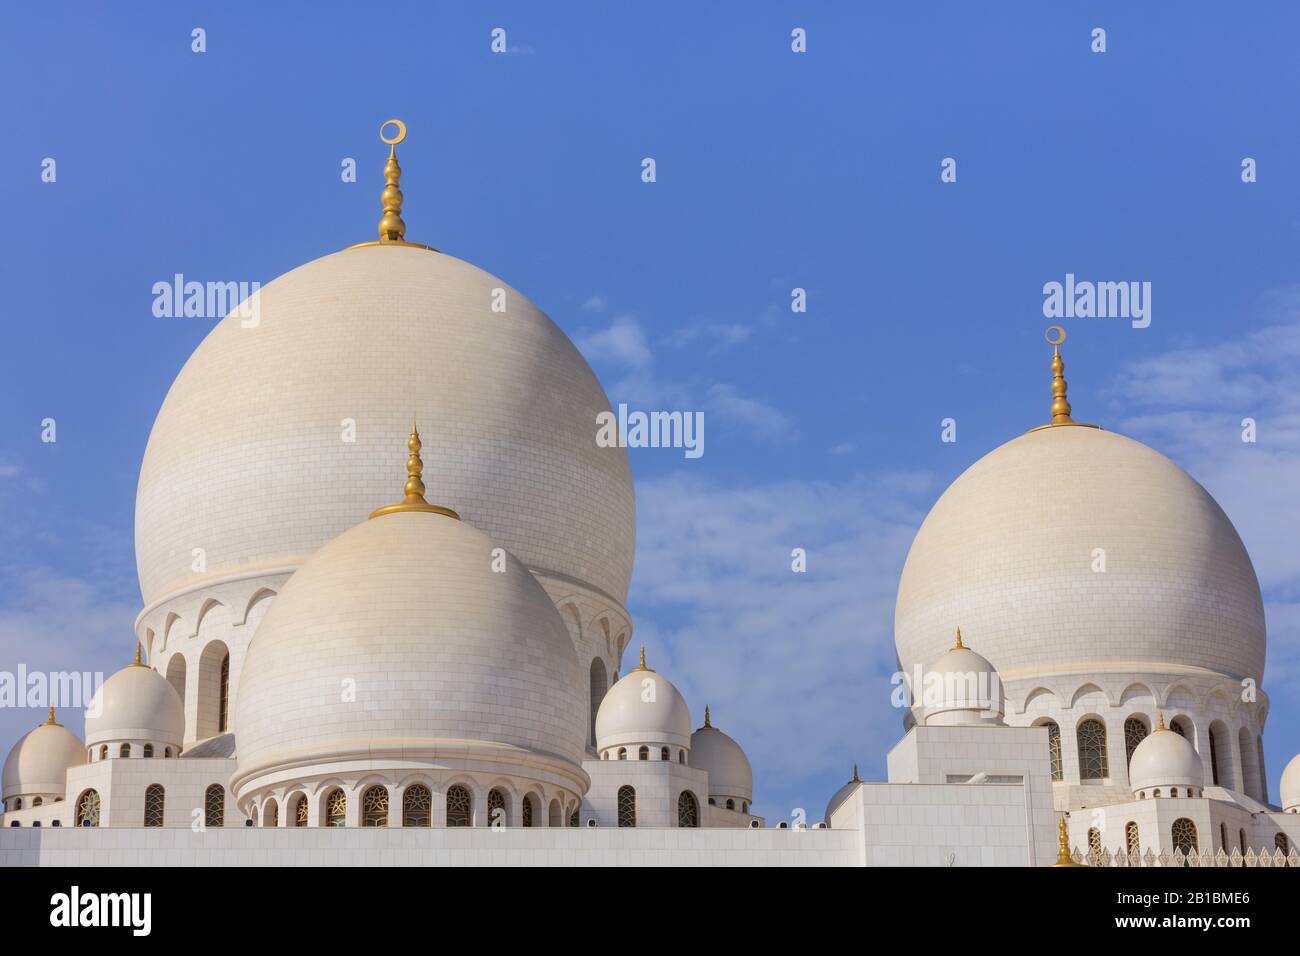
(961, 688)
(1290, 793)
(722, 759)
(38, 764)
(643, 708)
(136, 703)
(841, 795)
(1165, 759)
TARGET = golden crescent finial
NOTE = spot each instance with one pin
(1060, 335)
(1061, 411)
(414, 488)
(401, 131)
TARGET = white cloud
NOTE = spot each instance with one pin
(621, 342)
(758, 417)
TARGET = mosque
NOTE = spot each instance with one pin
(323, 647)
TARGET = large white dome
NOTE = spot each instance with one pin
(247, 458)
(397, 644)
(1009, 550)
(718, 754)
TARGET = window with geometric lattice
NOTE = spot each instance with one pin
(1054, 749)
(688, 810)
(1094, 845)
(88, 809)
(336, 809)
(1093, 764)
(153, 805)
(626, 806)
(497, 815)
(300, 812)
(527, 810)
(374, 806)
(1184, 834)
(457, 806)
(1135, 731)
(1131, 842)
(214, 806)
(417, 806)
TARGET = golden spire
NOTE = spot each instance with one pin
(51, 722)
(414, 500)
(855, 775)
(1063, 855)
(1060, 404)
(391, 227)
(641, 666)
(137, 662)
(706, 716)
(959, 646)
(1162, 722)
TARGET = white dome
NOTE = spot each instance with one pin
(1008, 552)
(38, 764)
(374, 335)
(626, 717)
(964, 689)
(1165, 759)
(136, 703)
(840, 795)
(1290, 790)
(726, 764)
(397, 645)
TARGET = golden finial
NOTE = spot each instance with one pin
(1063, 855)
(1162, 722)
(414, 500)
(706, 716)
(391, 227)
(959, 646)
(1060, 404)
(855, 775)
(50, 721)
(138, 662)
(642, 666)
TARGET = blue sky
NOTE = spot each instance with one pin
(774, 170)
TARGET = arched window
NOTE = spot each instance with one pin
(681, 756)
(417, 806)
(374, 806)
(663, 754)
(731, 804)
(497, 814)
(1280, 842)
(1259, 765)
(1094, 845)
(622, 753)
(1173, 791)
(1157, 793)
(300, 811)
(223, 696)
(573, 818)
(599, 684)
(1223, 836)
(626, 806)
(1054, 749)
(36, 801)
(1241, 838)
(214, 806)
(553, 814)
(1092, 750)
(744, 807)
(712, 802)
(271, 814)
(148, 750)
(688, 810)
(1179, 726)
(526, 810)
(88, 809)
(643, 753)
(457, 806)
(124, 750)
(18, 804)
(167, 752)
(1135, 731)
(1184, 834)
(154, 798)
(103, 752)
(1131, 842)
(1214, 754)
(336, 809)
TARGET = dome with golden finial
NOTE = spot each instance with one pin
(1073, 550)
(136, 706)
(449, 651)
(730, 775)
(643, 709)
(322, 380)
(37, 765)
